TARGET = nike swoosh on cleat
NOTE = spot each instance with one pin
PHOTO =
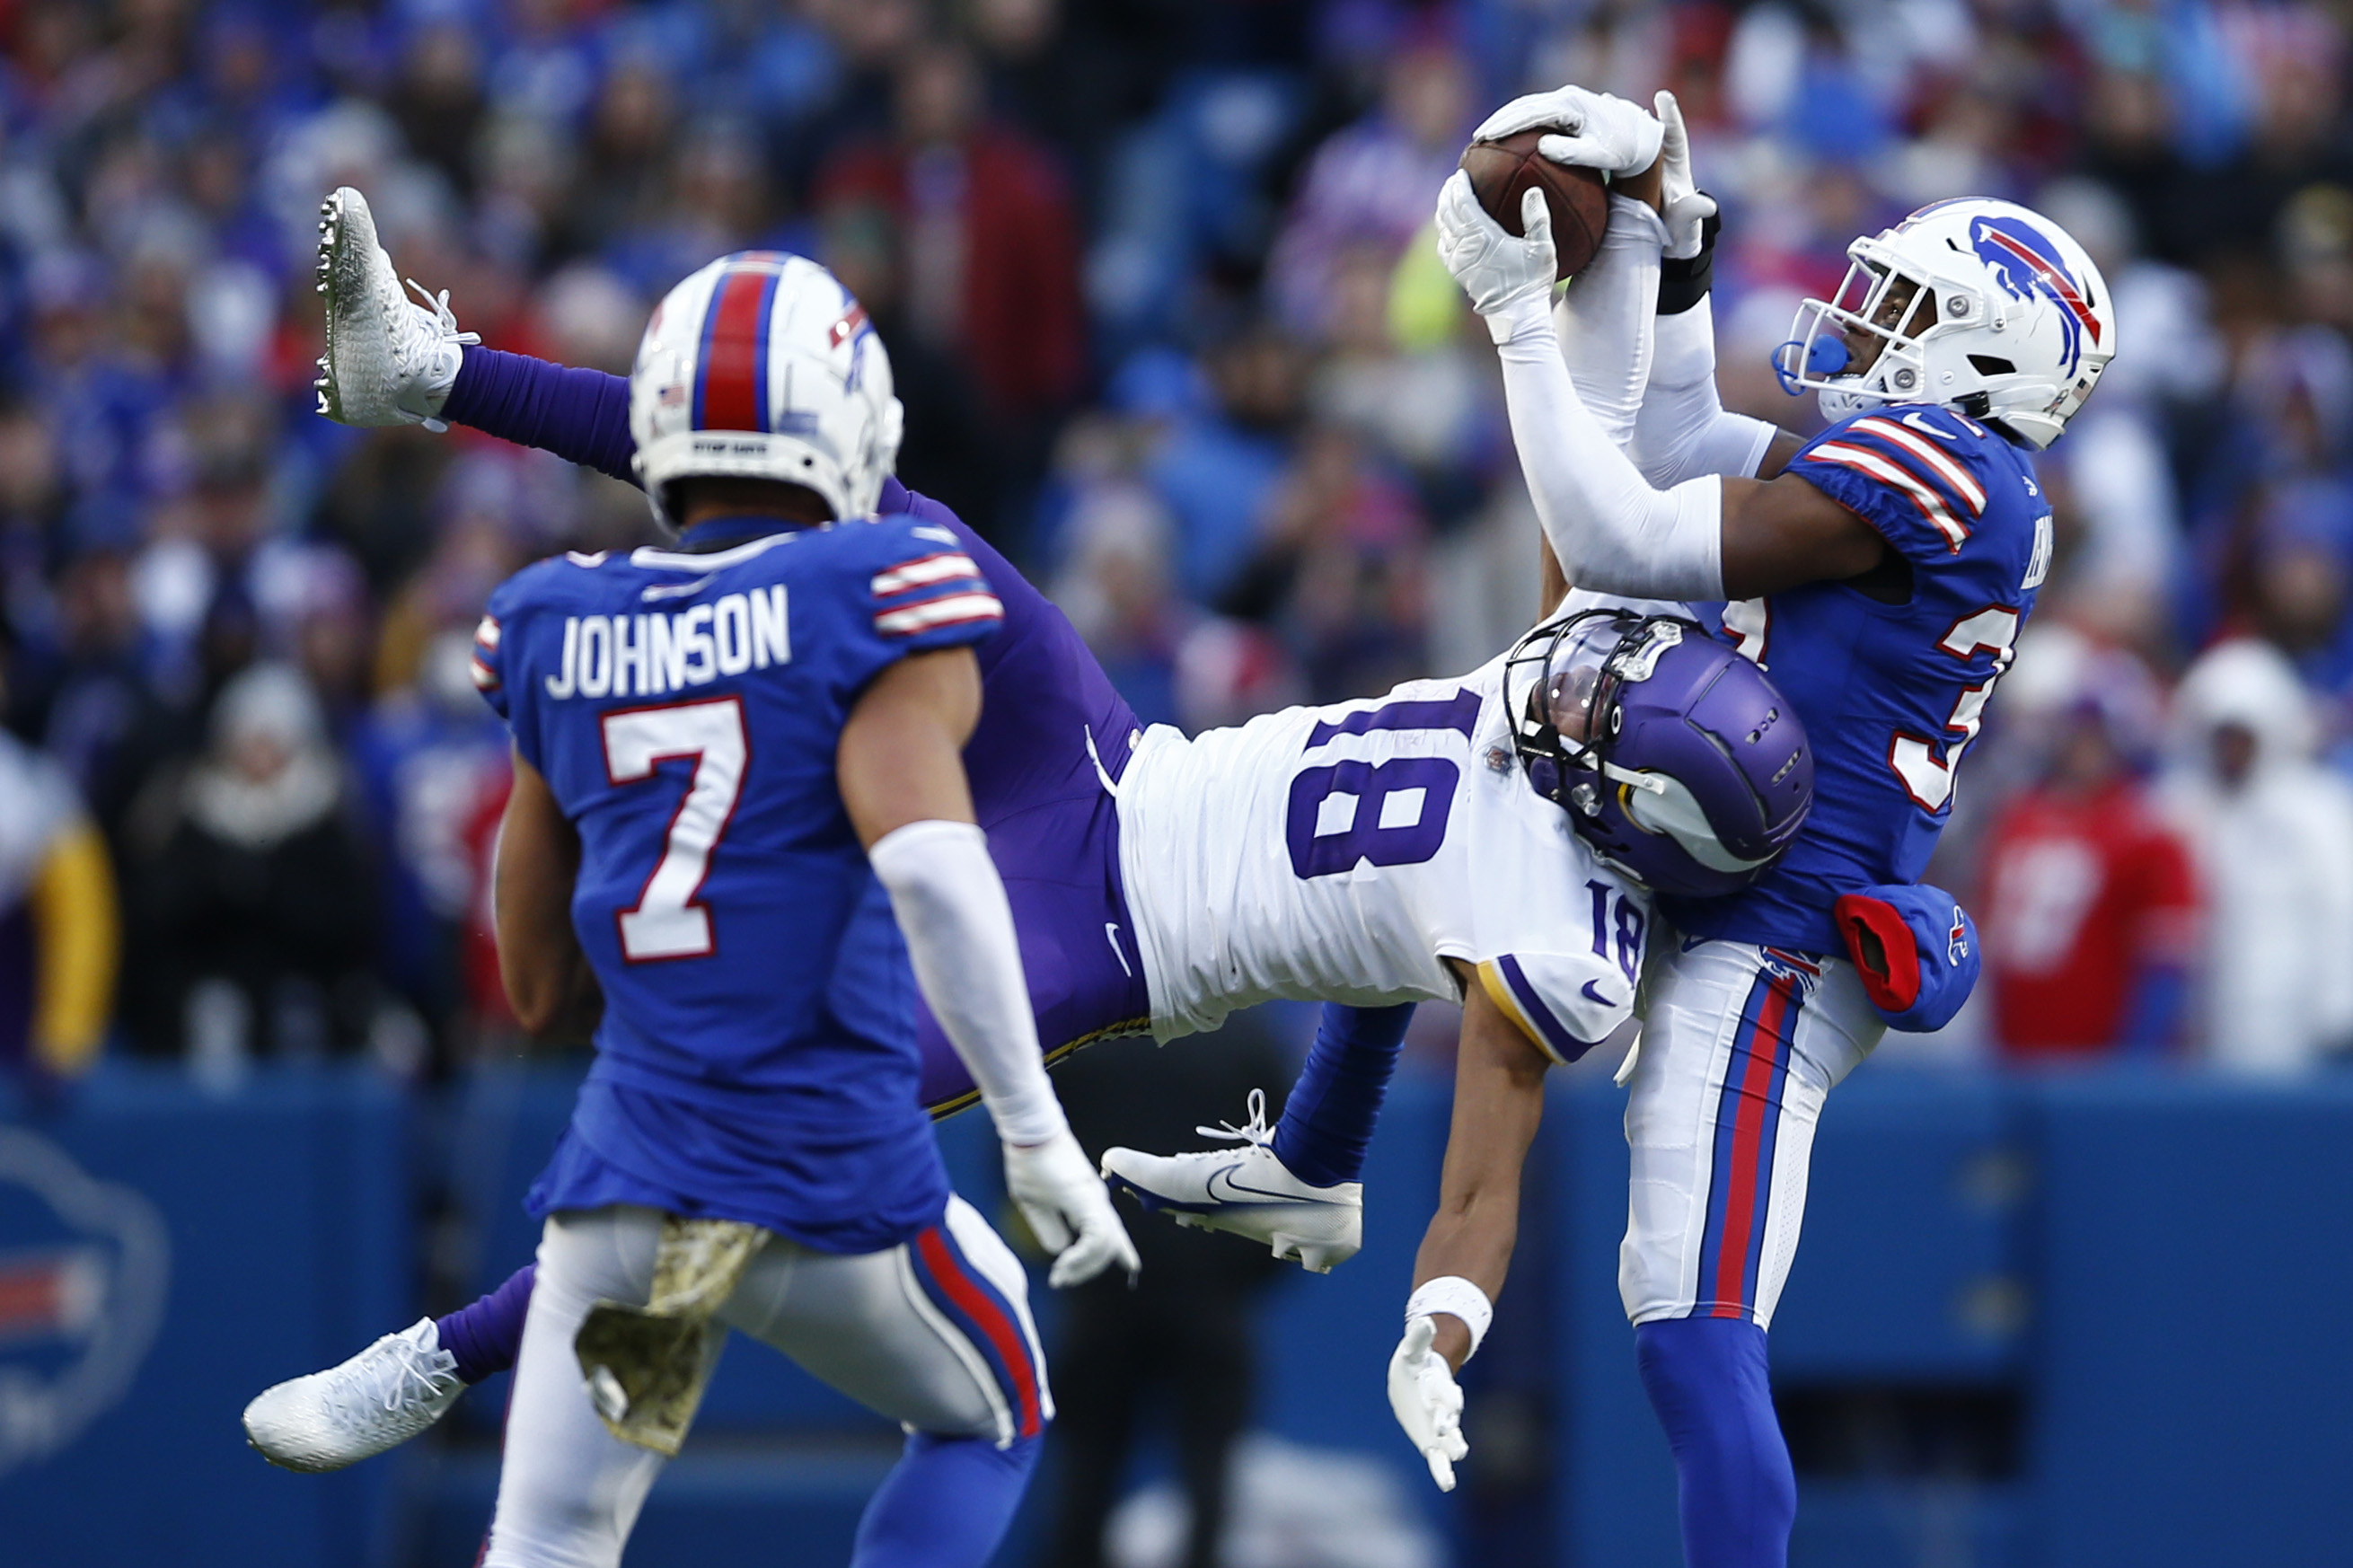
(1254, 1196)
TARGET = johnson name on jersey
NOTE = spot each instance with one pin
(685, 711)
(1344, 853)
(1891, 694)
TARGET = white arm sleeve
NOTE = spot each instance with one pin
(1605, 315)
(1612, 531)
(1682, 430)
(959, 929)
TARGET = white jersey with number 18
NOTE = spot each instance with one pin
(1343, 853)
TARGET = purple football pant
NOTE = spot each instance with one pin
(1060, 861)
(1048, 713)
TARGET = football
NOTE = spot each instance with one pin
(1502, 171)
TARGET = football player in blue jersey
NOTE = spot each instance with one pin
(735, 761)
(1882, 571)
(1378, 852)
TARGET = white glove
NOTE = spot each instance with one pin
(1427, 1403)
(1069, 1209)
(1495, 269)
(1686, 206)
(1604, 131)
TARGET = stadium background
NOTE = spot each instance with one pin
(1156, 280)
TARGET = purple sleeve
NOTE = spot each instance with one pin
(897, 499)
(582, 416)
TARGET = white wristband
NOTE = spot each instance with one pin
(1457, 1297)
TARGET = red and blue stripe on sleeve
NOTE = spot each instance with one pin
(485, 667)
(1916, 457)
(488, 664)
(935, 599)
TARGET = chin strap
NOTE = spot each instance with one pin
(1651, 784)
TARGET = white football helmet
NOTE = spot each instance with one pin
(2023, 321)
(762, 366)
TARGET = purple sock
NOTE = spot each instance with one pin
(1327, 1118)
(582, 416)
(486, 1336)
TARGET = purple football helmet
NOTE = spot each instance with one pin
(1673, 755)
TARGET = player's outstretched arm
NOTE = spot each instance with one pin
(1498, 1101)
(1707, 538)
(901, 768)
(548, 982)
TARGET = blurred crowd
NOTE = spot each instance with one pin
(1155, 278)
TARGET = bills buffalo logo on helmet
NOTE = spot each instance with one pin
(2024, 262)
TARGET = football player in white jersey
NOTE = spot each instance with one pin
(1425, 845)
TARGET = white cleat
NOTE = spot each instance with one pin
(1248, 1192)
(390, 360)
(377, 1400)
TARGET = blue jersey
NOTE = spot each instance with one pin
(1891, 694)
(757, 1058)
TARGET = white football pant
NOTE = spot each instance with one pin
(935, 1334)
(1740, 1045)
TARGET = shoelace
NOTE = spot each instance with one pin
(443, 330)
(443, 316)
(374, 1382)
(1256, 1131)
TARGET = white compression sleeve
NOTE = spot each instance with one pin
(1682, 430)
(959, 929)
(1605, 315)
(1611, 531)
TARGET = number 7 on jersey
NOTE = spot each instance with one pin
(666, 922)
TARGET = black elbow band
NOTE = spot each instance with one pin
(1684, 283)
